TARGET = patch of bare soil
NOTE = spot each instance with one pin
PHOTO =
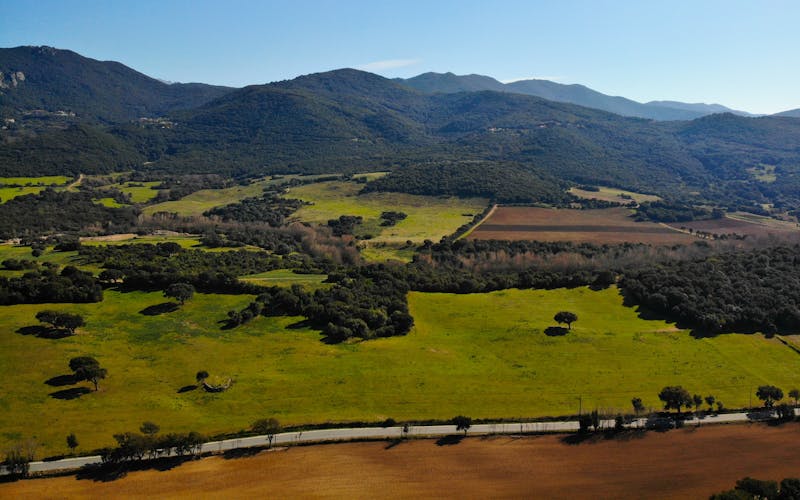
(686, 463)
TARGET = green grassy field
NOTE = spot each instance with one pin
(206, 199)
(50, 180)
(141, 192)
(613, 195)
(27, 185)
(428, 217)
(484, 355)
(285, 277)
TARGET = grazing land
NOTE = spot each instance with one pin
(140, 192)
(599, 226)
(485, 355)
(686, 463)
(613, 195)
(206, 199)
(11, 187)
(429, 217)
(285, 277)
(746, 225)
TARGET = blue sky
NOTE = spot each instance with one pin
(743, 54)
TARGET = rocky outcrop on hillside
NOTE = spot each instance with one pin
(11, 79)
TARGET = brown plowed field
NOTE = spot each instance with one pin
(612, 225)
(759, 227)
(686, 463)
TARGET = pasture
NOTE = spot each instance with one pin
(686, 463)
(429, 217)
(11, 187)
(613, 195)
(598, 226)
(484, 355)
(140, 192)
(206, 199)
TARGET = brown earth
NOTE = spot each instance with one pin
(758, 227)
(612, 225)
(686, 463)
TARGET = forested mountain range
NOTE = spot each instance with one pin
(52, 80)
(574, 94)
(348, 120)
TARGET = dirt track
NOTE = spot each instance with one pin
(688, 463)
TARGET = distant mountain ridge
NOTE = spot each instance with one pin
(573, 94)
(49, 79)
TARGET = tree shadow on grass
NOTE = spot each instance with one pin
(111, 472)
(449, 440)
(187, 388)
(555, 331)
(73, 393)
(43, 332)
(163, 308)
(61, 380)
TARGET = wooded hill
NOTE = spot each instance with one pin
(348, 120)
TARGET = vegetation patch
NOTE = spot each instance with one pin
(428, 217)
(481, 355)
(612, 195)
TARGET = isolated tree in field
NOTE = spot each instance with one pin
(638, 407)
(72, 442)
(61, 320)
(87, 368)
(794, 394)
(180, 292)
(268, 427)
(710, 402)
(201, 376)
(149, 428)
(462, 423)
(675, 397)
(566, 317)
(769, 394)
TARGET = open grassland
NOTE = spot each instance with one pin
(285, 277)
(611, 225)
(485, 355)
(687, 463)
(140, 192)
(745, 224)
(206, 199)
(613, 195)
(429, 217)
(11, 187)
(51, 180)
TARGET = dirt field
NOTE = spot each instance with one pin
(749, 225)
(687, 463)
(611, 225)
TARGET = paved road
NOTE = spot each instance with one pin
(350, 434)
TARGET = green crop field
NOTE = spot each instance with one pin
(429, 217)
(484, 355)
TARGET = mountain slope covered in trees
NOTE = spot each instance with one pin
(106, 91)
